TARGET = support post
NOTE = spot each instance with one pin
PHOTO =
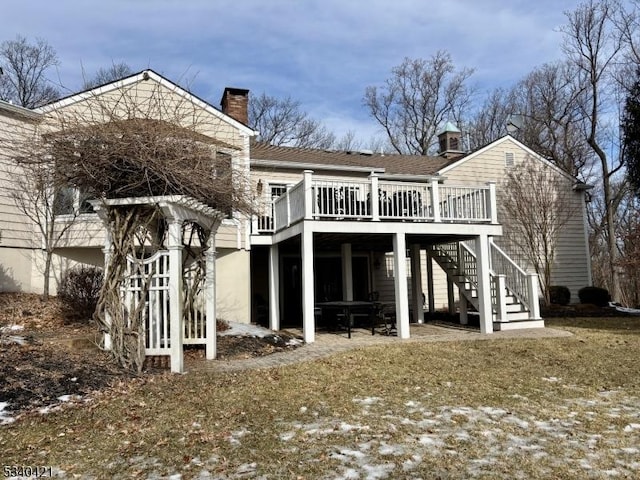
(451, 299)
(308, 194)
(484, 284)
(464, 309)
(375, 197)
(308, 300)
(400, 281)
(108, 251)
(416, 284)
(210, 299)
(347, 272)
(534, 303)
(274, 287)
(430, 289)
(175, 295)
(435, 200)
(493, 203)
(501, 301)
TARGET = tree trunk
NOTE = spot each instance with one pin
(47, 272)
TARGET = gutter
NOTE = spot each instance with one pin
(314, 166)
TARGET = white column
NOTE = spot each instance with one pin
(464, 308)
(210, 299)
(107, 250)
(308, 194)
(416, 284)
(435, 200)
(501, 300)
(274, 287)
(347, 272)
(430, 290)
(400, 281)
(175, 295)
(308, 300)
(375, 198)
(532, 286)
(493, 203)
(484, 284)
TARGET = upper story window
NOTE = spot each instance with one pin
(277, 189)
(71, 201)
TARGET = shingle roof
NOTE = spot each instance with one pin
(393, 164)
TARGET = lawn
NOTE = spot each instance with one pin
(523, 408)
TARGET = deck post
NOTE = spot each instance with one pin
(308, 300)
(532, 286)
(430, 289)
(210, 299)
(484, 284)
(308, 194)
(175, 294)
(501, 301)
(435, 200)
(400, 281)
(288, 198)
(451, 298)
(464, 308)
(493, 203)
(347, 272)
(375, 197)
(274, 287)
(416, 283)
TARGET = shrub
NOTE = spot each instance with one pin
(594, 295)
(560, 295)
(79, 290)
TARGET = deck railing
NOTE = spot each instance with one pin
(374, 199)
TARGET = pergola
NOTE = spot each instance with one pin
(157, 283)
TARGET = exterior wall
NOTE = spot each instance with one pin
(233, 286)
(16, 230)
(572, 265)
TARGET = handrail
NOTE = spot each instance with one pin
(516, 278)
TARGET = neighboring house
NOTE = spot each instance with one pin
(417, 231)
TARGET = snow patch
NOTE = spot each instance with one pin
(5, 416)
(246, 330)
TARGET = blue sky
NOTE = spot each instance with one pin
(321, 52)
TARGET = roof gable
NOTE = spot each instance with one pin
(456, 163)
(139, 77)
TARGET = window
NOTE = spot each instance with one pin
(509, 160)
(277, 189)
(69, 201)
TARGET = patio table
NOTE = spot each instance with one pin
(347, 308)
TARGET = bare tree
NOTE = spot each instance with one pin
(25, 66)
(106, 75)
(44, 201)
(283, 122)
(490, 121)
(124, 145)
(417, 99)
(593, 45)
(539, 203)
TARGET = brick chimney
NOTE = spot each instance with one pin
(235, 103)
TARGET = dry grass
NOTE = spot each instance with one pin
(543, 408)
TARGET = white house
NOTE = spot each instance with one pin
(420, 232)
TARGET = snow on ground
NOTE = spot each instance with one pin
(7, 338)
(619, 308)
(5, 415)
(247, 330)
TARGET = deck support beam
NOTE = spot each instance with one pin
(308, 296)
(484, 284)
(416, 284)
(274, 287)
(400, 281)
(347, 272)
